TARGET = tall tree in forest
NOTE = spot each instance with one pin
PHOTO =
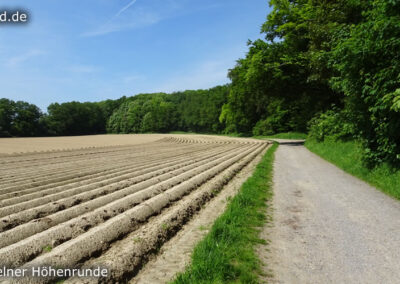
(284, 81)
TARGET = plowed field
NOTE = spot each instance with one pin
(89, 207)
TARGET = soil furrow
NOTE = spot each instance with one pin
(116, 174)
(81, 195)
(26, 249)
(100, 237)
(111, 206)
(65, 180)
(136, 247)
(39, 169)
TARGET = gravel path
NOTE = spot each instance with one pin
(329, 227)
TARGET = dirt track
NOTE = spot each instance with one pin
(329, 227)
(111, 206)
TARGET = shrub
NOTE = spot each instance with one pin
(333, 124)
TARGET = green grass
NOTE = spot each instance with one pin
(47, 248)
(227, 253)
(286, 135)
(348, 156)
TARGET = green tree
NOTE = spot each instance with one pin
(285, 80)
(20, 119)
(7, 113)
(75, 118)
(27, 120)
(191, 110)
(367, 59)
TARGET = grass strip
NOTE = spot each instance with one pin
(348, 157)
(227, 253)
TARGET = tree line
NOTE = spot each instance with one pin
(329, 68)
(192, 110)
(22, 119)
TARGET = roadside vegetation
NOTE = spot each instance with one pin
(227, 253)
(349, 157)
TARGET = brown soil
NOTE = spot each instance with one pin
(87, 204)
(43, 144)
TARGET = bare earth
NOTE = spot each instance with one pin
(39, 144)
(43, 144)
(113, 206)
(329, 227)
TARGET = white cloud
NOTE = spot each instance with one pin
(19, 59)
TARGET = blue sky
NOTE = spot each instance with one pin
(91, 50)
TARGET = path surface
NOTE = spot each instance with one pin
(330, 227)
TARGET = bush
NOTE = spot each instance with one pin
(333, 124)
(262, 128)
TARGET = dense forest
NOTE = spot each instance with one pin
(329, 68)
(196, 111)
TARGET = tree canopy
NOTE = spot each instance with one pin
(196, 111)
(19, 119)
